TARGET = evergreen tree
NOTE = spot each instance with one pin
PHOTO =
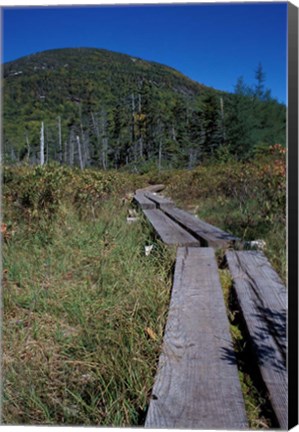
(259, 90)
(241, 121)
(181, 122)
(212, 124)
(128, 112)
(197, 137)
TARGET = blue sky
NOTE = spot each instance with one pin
(211, 43)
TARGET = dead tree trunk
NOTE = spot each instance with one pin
(104, 136)
(28, 147)
(42, 145)
(80, 153)
(65, 153)
(140, 139)
(59, 139)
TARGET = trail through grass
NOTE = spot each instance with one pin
(83, 307)
(246, 199)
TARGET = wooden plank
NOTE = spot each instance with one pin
(152, 188)
(263, 301)
(208, 234)
(197, 384)
(159, 199)
(169, 232)
(143, 202)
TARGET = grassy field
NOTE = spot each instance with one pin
(245, 199)
(83, 321)
(84, 308)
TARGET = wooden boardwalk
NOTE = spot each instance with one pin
(152, 188)
(206, 233)
(143, 202)
(159, 200)
(170, 232)
(262, 299)
(197, 384)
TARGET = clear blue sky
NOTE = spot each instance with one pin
(211, 43)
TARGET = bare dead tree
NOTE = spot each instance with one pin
(80, 153)
(28, 146)
(140, 139)
(42, 145)
(59, 139)
(104, 136)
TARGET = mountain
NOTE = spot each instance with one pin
(93, 107)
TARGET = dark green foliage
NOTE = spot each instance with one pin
(110, 110)
(255, 120)
(212, 124)
(242, 125)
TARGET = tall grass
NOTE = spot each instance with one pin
(77, 314)
(84, 308)
(245, 199)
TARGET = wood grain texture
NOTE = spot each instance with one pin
(197, 384)
(143, 202)
(169, 232)
(159, 199)
(208, 234)
(263, 301)
(152, 188)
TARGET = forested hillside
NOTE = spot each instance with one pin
(95, 108)
(84, 307)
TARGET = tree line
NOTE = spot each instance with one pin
(144, 125)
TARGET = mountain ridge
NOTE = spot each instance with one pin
(124, 109)
(12, 68)
(103, 50)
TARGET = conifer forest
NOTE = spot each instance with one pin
(95, 108)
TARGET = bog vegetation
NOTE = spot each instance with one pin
(84, 308)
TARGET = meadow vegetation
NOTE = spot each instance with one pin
(84, 311)
(83, 308)
(247, 199)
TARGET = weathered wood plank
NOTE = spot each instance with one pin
(263, 301)
(197, 384)
(170, 232)
(208, 234)
(152, 188)
(159, 199)
(143, 202)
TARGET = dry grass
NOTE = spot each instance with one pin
(85, 309)
(76, 349)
